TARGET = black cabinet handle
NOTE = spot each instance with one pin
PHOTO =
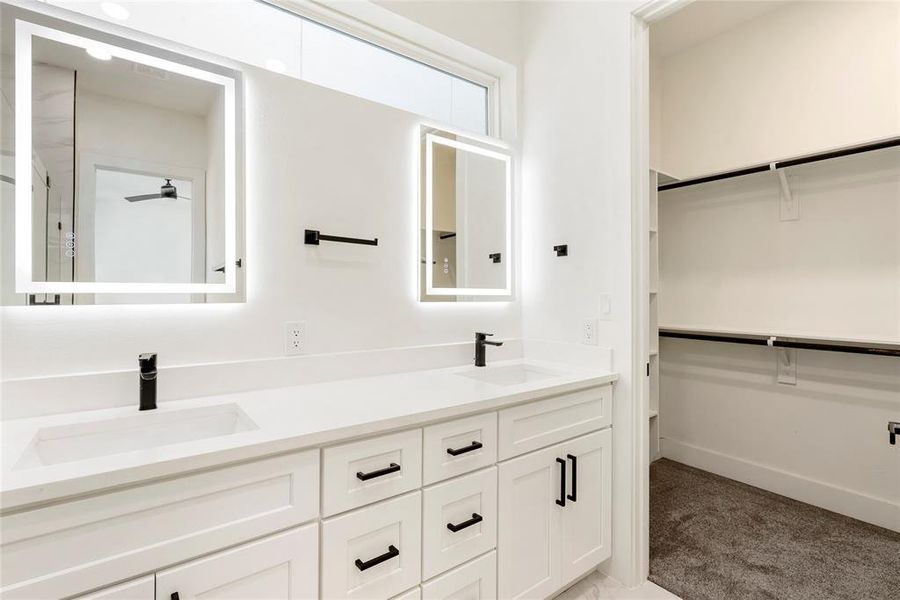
(574, 495)
(476, 518)
(393, 468)
(464, 449)
(562, 482)
(391, 553)
(174, 596)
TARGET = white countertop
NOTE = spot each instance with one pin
(289, 418)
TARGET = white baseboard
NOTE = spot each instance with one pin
(877, 511)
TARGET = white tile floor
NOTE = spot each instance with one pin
(600, 587)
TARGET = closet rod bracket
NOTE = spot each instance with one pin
(789, 206)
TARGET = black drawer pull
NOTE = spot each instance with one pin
(562, 482)
(391, 553)
(464, 449)
(175, 596)
(574, 495)
(393, 468)
(476, 518)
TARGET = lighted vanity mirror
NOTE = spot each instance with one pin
(131, 191)
(466, 236)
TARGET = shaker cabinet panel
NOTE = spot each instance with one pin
(555, 515)
(529, 535)
(375, 552)
(476, 580)
(370, 470)
(587, 520)
(283, 566)
(143, 588)
(459, 521)
(459, 446)
(539, 424)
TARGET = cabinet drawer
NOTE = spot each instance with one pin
(459, 447)
(413, 594)
(281, 566)
(476, 580)
(469, 504)
(375, 552)
(136, 589)
(64, 549)
(371, 470)
(539, 424)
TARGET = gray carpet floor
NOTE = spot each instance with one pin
(712, 538)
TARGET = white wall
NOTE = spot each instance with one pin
(491, 26)
(315, 158)
(727, 261)
(576, 190)
(765, 89)
(823, 441)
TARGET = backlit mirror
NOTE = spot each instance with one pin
(466, 227)
(131, 191)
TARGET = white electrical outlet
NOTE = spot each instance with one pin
(294, 334)
(589, 332)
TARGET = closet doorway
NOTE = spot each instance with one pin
(772, 275)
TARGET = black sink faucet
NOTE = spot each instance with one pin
(147, 363)
(480, 342)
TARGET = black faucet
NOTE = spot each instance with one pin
(147, 363)
(480, 342)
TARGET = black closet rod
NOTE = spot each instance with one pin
(781, 164)
(786, 342)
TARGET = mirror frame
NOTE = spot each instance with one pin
(25, 31)
(430, 140)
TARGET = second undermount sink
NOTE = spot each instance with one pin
(508, 374)
(140, 431)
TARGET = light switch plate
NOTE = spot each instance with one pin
(605, 307)
(787, 365)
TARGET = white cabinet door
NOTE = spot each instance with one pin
(528, 546)
(136, 589)
(586, 518)
(283, 567)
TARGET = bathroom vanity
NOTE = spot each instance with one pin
(451, 483)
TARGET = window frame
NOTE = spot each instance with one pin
(380, 27)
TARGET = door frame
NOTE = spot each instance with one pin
(642, 18)
(87, 164)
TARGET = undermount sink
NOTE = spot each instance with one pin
(140, 431)
(509, 374)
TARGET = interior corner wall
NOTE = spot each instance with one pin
(576, 190)
(764, 90)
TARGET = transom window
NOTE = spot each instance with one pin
(264, 35)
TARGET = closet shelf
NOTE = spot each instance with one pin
(783, 164)
(779, 341)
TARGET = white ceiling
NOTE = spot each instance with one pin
(705, 19)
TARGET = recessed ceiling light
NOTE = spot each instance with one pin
(99, 53)
(114, 10)
(273, 64)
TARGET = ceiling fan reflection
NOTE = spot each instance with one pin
(166, 191)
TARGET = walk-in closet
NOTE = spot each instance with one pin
(773, 246)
